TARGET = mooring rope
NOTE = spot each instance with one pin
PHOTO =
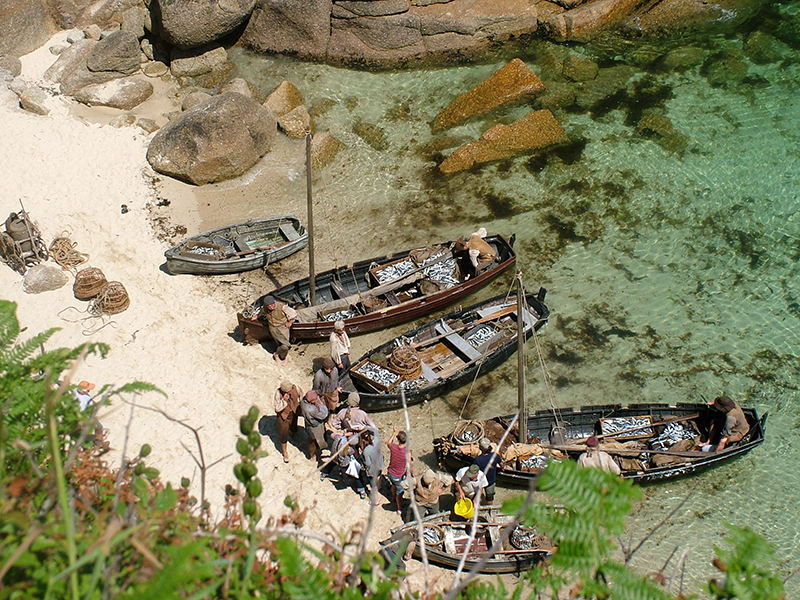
(62, 250)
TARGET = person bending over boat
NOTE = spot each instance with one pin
(597, 458)
(481, 253)
(427, 491)
(340, 347)
(469, 480)
(732, 427)
(488, 461)
(326, 384)
(287, 407)
(352, 419)
(279, 318)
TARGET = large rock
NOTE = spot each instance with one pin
(283, 99)
(197, 62)
(124, 94)
(25, 25)
(217, 140)
(511, 83)
(535, 131)
(324, 148)
(676, 18)
(192, 23)
(588, 20)
(117, 52)
(70, 59)
(298, 27)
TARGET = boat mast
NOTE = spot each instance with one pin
(312, 284)
(523, 412)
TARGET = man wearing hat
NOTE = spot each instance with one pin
(488, 461)
(352, 419)
(315, 413)
(340, 347)
(326, 384)
(279, 318)
(287, 403)
(481, 253)
(734, 425)
(83, 394)
(597, 458)
(427, 490)
(469, 480)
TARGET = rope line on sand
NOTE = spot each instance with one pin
(62, 250)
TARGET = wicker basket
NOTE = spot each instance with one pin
(88, 283)
(405, 361)
(112, 299)
(468, 432)
(371, 303)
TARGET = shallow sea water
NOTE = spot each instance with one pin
(671, 276)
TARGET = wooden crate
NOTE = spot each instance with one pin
(374, 272)
(642, 423)
(354, 372)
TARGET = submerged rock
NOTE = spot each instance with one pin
(512, 83)
(283, 99)
(324, 148)
(659, 128)
(535, 131)
(216, 140)
(374, 135)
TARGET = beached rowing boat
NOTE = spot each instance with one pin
(378, 292)
(443, 354)
(236, 248)
(650, 442)
(446, 540)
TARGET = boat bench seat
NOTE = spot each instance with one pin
(289, 232)
(427, 372)
(392, 298)
(337, 290)
(458, 342)
(241, 244)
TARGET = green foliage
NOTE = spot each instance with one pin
(746, 563)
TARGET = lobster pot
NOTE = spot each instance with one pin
(468, 432)
(88, 283)
(406, 361)
(112, 299)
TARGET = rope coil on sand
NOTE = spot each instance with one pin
(62, 250)
(112, 299)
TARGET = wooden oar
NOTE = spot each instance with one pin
(640, 427)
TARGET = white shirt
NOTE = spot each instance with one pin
(84, 399)
(340, 344)
(469, 486)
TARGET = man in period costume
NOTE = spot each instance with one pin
(734, 425)
(315, 413)
(279, 318)
(326, 384)
(287, 405)
(597, 458)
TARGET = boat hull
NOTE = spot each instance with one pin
(353, 279)
(281, 236)
(427, 335)
(446, 554)
(582, 422)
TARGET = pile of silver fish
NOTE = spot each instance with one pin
(525, 538)
(442, 272)
(482, 335)
(202, 251)
(395, 271)
(340, 315)
(430, 536)
(672, 434)
(534, 462)
(378, 374)
(413, 384)
(627, 424)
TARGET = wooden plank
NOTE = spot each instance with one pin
(427, 372)
(289, 232)
(241, 244)
(463, 346)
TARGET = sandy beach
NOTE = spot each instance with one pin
(74, 172)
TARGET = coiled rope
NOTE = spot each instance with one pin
(62, 250)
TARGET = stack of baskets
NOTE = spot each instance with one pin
(405, 360)
(107, 297)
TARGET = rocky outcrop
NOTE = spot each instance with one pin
(25, 25)
(513, 83)
(300, 27)
(124, 94)
(585, 22)
(216, 140)
(675, 18)
(535, 131)
(283, 99)
(192, 23)
(207, 66)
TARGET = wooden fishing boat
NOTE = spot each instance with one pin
(237, 248)
(650, 442)
(377, 293)
(446, 540)
(443, 354)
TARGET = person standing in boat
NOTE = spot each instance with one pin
(481, 253)
(315, 413)
(287, 407)
(279, 318)
(340, 347)
(326, 384)
(597, 458)
(488, 461)
(732, 425)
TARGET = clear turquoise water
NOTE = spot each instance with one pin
(671, 276)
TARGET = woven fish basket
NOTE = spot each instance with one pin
(468, 432)
(112, 299)
(88, 283)
(371, 303)
(406, 361)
